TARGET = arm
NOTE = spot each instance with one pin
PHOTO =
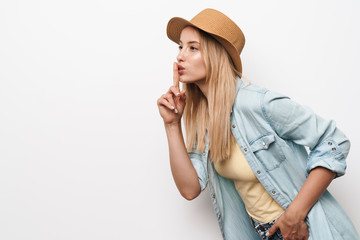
(315, 184)
(328, 150)
(328, 146)
(184, 174)
(171, 106)
(292, 222)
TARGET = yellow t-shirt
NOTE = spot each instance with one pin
(258, 202)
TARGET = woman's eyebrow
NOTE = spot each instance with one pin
(190, 42)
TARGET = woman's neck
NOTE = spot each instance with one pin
(203, 87)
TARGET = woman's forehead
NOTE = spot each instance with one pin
(189, 34)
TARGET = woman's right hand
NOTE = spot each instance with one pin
(171, 104)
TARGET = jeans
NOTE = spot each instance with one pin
(263, 228)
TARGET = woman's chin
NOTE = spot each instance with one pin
(185, 80)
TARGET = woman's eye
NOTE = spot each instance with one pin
(193, 48)
(180, 47)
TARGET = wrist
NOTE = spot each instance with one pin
(172, 126)
(296, 212)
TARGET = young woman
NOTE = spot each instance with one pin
(247, 143)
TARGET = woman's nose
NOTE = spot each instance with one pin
(180, 56)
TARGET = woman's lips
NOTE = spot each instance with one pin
(181, 69)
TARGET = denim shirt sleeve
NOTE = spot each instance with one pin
(199, 165)
(328, 146)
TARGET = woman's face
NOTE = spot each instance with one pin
(190, 62)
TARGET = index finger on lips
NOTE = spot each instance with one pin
(176, 77)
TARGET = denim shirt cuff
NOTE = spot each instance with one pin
(327, 154)
(199, 168)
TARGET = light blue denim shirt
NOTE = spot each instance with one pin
(272, 132)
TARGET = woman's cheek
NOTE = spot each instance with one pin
(200, 65)
(198, 59)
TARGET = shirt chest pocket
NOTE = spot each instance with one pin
(268, 151)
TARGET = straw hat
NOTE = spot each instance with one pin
(218, 25)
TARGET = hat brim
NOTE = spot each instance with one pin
(177, 24)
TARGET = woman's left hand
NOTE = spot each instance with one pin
(291, 227)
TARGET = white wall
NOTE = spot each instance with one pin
(83, 152)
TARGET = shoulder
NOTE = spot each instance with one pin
(248, 89)
(253, 97)
(244, 86)
(248, 95)
(248, 98)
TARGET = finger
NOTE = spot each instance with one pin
(182, 94)
(170, 99)
(176, 76)
(164, 102)
(174, 91)
(166, 98)
(272, 230)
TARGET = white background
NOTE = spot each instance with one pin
(83, 152)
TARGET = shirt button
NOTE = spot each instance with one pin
(258, 171)
(273, 192)
(330, 143)
(333, 149)
(233, 125)
(245, 149)
(263, 143)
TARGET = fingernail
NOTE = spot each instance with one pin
(177, 94)
(172, 107)
(176, 111)
(267, 234)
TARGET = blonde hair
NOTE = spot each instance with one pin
(211, 114)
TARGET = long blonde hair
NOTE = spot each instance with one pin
(211, 113)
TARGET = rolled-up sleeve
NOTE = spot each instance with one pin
(199, 165)
(328, 146)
